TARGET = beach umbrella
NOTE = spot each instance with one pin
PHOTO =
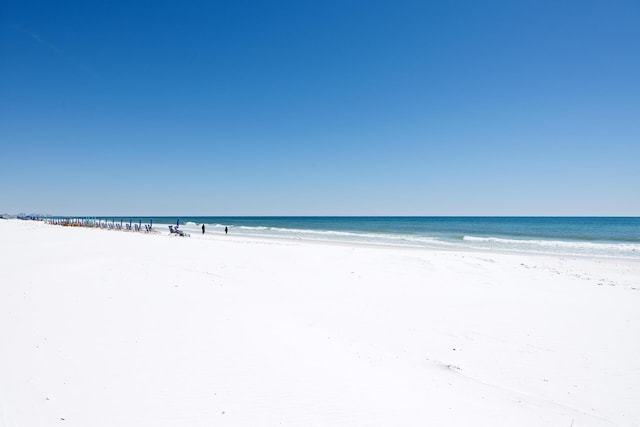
(178, 223)
(140, 225)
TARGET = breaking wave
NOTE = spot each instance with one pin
(556, 246)
(424, 238)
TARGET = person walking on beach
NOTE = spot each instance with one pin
(202, 228)
(226, 230)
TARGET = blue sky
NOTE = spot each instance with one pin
(320, 108)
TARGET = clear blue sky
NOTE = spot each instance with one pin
(320, 107)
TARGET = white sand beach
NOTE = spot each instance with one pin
(113, 328)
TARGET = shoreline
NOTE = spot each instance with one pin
(578, 248)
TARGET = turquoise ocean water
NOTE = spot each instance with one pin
(604, 236)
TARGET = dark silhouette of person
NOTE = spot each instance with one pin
(202, 228)
(226, 230)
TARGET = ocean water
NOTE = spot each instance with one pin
(599, 236)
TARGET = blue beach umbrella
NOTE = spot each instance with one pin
(178, 223)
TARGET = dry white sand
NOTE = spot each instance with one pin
(108, 328)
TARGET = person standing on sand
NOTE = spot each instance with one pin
(202, 228)
(226, 230)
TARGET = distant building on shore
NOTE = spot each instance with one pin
(32, 217)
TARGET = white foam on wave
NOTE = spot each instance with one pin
(341, 236)
(256, 227)
(629, 249)
(302, 231)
